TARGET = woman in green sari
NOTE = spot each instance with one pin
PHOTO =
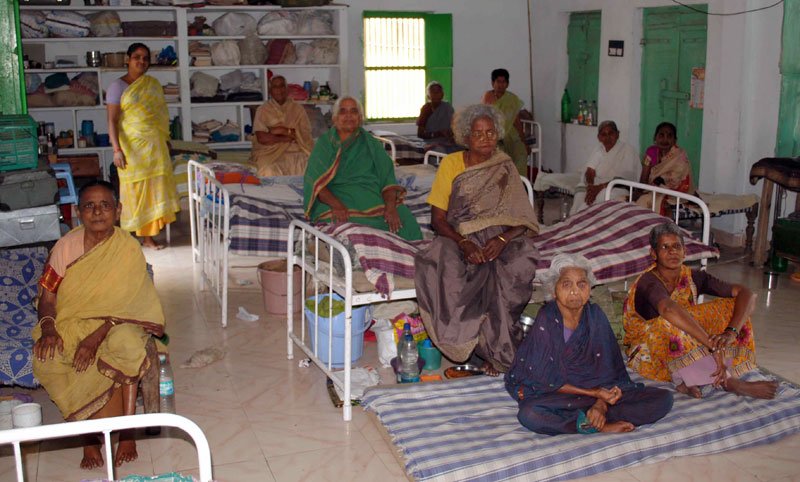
(509, 105)
(350, 178)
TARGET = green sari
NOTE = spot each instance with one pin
(357, 171)
(510, 105)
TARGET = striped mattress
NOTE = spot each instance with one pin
(467, 429)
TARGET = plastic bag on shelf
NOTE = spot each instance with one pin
(278, 23)
(203, 85)
(105, 24)
(319, 22)
(252, 50)
(33, 24)
(324, 51)
(234, 23)
(225, 53)
(67, 24)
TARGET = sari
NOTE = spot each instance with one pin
(110, 282)
(147, 189)
(658, 349)
(674, 168)
(282, 158)
(357, 171)
(467, 307)
(589, 358)
(510, 105)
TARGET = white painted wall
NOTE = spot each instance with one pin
(486, 35)
(742, 86)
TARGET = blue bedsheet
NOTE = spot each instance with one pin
(20, 270)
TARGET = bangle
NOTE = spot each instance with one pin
(117, 150)
(501, 238)
(42, 319)
(731, 329)
(463, 240)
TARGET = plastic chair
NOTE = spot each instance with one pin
(66, 195)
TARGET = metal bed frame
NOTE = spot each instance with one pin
(106, 426)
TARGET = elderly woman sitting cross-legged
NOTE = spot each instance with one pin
(97, 310)
(474, 279)
(568, 375)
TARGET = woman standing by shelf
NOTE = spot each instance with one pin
(138, 125)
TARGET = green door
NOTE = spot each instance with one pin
(674, 46)
(12, 100)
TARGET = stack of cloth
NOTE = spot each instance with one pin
(215, 131)
(200, 53)
(201, 132)
(172, 93)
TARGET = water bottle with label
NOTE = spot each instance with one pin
(408, 355)
(166, 385)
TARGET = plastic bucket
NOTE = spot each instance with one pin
(272, 278)
(431, 355)
(358, 326)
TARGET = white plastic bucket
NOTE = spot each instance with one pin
(357, 328)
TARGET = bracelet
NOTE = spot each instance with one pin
(501, 238)
(463, 240)
(42, 319)
(731, 329)
(117, 150)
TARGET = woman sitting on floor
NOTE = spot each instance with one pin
(665, 165)
(351, 178)
(97, 310)
(474, 279)
(568, 375)
(673, 338)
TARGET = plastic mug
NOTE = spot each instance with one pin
(27, 415)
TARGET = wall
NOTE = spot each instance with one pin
(486, 35)
(742, 86)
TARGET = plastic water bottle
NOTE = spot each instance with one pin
(166, 386)
(408, 356)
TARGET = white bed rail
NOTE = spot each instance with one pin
(390, 143)
(209, 214)
(106, 426)
(433, 155)
(677, 195)
(310, 244)
(533, 129)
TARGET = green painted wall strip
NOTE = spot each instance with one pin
(788, 141)
(12, 87)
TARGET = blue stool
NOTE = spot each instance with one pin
(66, 195)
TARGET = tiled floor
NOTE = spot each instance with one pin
(267, 419)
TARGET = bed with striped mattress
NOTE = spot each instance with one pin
(467, 429)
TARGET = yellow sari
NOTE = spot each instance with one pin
(110, 282)
(147, 189)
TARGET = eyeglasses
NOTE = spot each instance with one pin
(671, 247)
(104, 206)
(483, 135)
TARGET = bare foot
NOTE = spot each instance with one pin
(489, 369)
(761, 389)
(618, 427)
(92, 457)
(126, 452)
(693, 391)
(149, 242)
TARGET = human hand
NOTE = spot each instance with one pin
(609, 396)
(472, 253)
(86, 351)
(720, 374)
(592, 191)
(726, 338)
(46, 346)
(339, 213)
(119, 160)
(597, 415)
(493, 248)
(392, 218)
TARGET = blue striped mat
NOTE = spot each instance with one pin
(468, 430)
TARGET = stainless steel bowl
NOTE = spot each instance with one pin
(94, 58)
(526, 322)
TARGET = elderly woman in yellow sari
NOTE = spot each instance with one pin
(665, 165)
(282, 134)
(672, 337)
(509, 105)
(97, 310)
(138, 127)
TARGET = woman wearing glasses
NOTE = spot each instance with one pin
(672, 337)
(474, 279)
(97, 310)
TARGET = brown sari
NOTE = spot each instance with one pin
(468, 307)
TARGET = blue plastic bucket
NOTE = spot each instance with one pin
(357, 328)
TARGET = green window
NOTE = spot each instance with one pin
(403, 51)
(583, 49)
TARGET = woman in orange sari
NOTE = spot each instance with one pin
(673, 338)
(665, 165)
